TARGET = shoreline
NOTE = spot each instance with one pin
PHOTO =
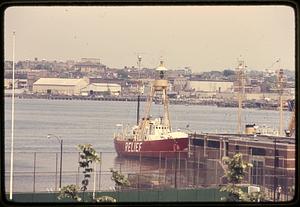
(218, 103)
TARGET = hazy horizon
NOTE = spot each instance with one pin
(201, 37)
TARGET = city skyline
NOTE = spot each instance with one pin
(202, 37)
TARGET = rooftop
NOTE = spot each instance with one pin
(251, 138)
(57, 81)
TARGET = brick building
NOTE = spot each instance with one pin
(273, 158)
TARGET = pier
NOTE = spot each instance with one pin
(187, 102)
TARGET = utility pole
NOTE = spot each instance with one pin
(60, 140)
(12, 122)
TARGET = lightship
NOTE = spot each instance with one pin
(153, 137)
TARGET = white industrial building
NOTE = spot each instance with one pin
(19, 83)
(211, 86)
(59, 86)
(102, 88)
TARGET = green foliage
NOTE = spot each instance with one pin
(253, 197)
(123, 74)
(234, 192)
(119, 179)
(291, 189)
(88, 152)
(107, 199)
(228, 72)
(88, 155)
(69, 191)
(236, 168)
(235, 174)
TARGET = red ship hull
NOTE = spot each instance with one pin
(154, 148)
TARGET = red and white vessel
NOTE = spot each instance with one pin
(153, 137)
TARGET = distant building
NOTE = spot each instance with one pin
(90, 65)
(102, 89)
(59, 86)
(176, 73)
(87, 67)
(211, 86)
(91, 60)
(19, 83)
(180, 83)
(106, 80)
(34, 75)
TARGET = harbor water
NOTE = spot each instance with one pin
(95, 122)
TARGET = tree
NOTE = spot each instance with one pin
(228, 72)
(69, 191)
(88, 156)
(119, 179)
(235, 174)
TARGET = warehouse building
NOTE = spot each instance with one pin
(59, 86)
(211, 86)
(102, 89)
(273, 157)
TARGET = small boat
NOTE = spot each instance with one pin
(153, 137)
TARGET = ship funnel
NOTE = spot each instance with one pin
(250, 129)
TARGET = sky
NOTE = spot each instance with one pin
(203, 38)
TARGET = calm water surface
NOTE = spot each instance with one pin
(94, 122)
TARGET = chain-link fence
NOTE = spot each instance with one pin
(40, 172)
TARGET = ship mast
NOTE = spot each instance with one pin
(280, 85)
(139, 90)
(240, 81)
(160, 84)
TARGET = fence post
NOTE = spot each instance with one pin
(159, 166)
(186, 172)
(77, 176)
(100, 165)
(95, 180)
(174, 166)
(194, 161)
(179, 159)
(34, 163)
(56, 157)
(140, 170)
(166, 167)
(198, 168)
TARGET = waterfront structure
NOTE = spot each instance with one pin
(19, 83)
(253, 96)
(273, 157)
(59, 86)
(180, 84)
(34, 75)
(102, 89)
(211, 86)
